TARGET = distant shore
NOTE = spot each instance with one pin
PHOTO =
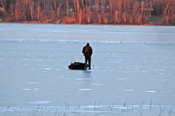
(91, 12)
(154, 21)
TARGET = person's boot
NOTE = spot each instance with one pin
(89, 68)
(85, 67)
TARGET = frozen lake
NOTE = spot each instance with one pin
(133, 73)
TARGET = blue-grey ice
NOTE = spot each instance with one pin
(133, 69)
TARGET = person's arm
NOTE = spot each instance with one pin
(91, 51)
(83, 49)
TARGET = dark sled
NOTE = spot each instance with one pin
(77, 66)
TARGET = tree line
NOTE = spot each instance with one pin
(89, 11)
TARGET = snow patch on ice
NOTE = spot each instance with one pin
(81, 79)
(151, 91)
(66, 78)
(99, 109)
(61, 76)
(129, 90)
(85, 89)
(91, 41)
(159, 69)
(47, 69)
(27, 59)
(40, 102)
(144, 71)
(39, 60)
(33, 82)
(26, 89)
(121, 78)
(36, 89)
(97, 84)
(164, 79)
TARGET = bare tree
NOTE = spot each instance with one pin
(135, 13)
(168, 12)
(32, 10)
(89, 11)
(38, 10)
(16, 10)
(126, 9)
(3, 6)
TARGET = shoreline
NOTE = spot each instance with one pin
(154, 21)
(45, 22)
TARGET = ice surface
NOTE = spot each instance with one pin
(133, 71)
(103, 33)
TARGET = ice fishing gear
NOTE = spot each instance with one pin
(77, 65)
(92, 63)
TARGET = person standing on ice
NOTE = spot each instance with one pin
(87, 52)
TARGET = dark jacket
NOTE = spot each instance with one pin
(90, 50)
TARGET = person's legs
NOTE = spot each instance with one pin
(89, 61)
(86, 59)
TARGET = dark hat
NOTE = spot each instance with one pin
(87, 44)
